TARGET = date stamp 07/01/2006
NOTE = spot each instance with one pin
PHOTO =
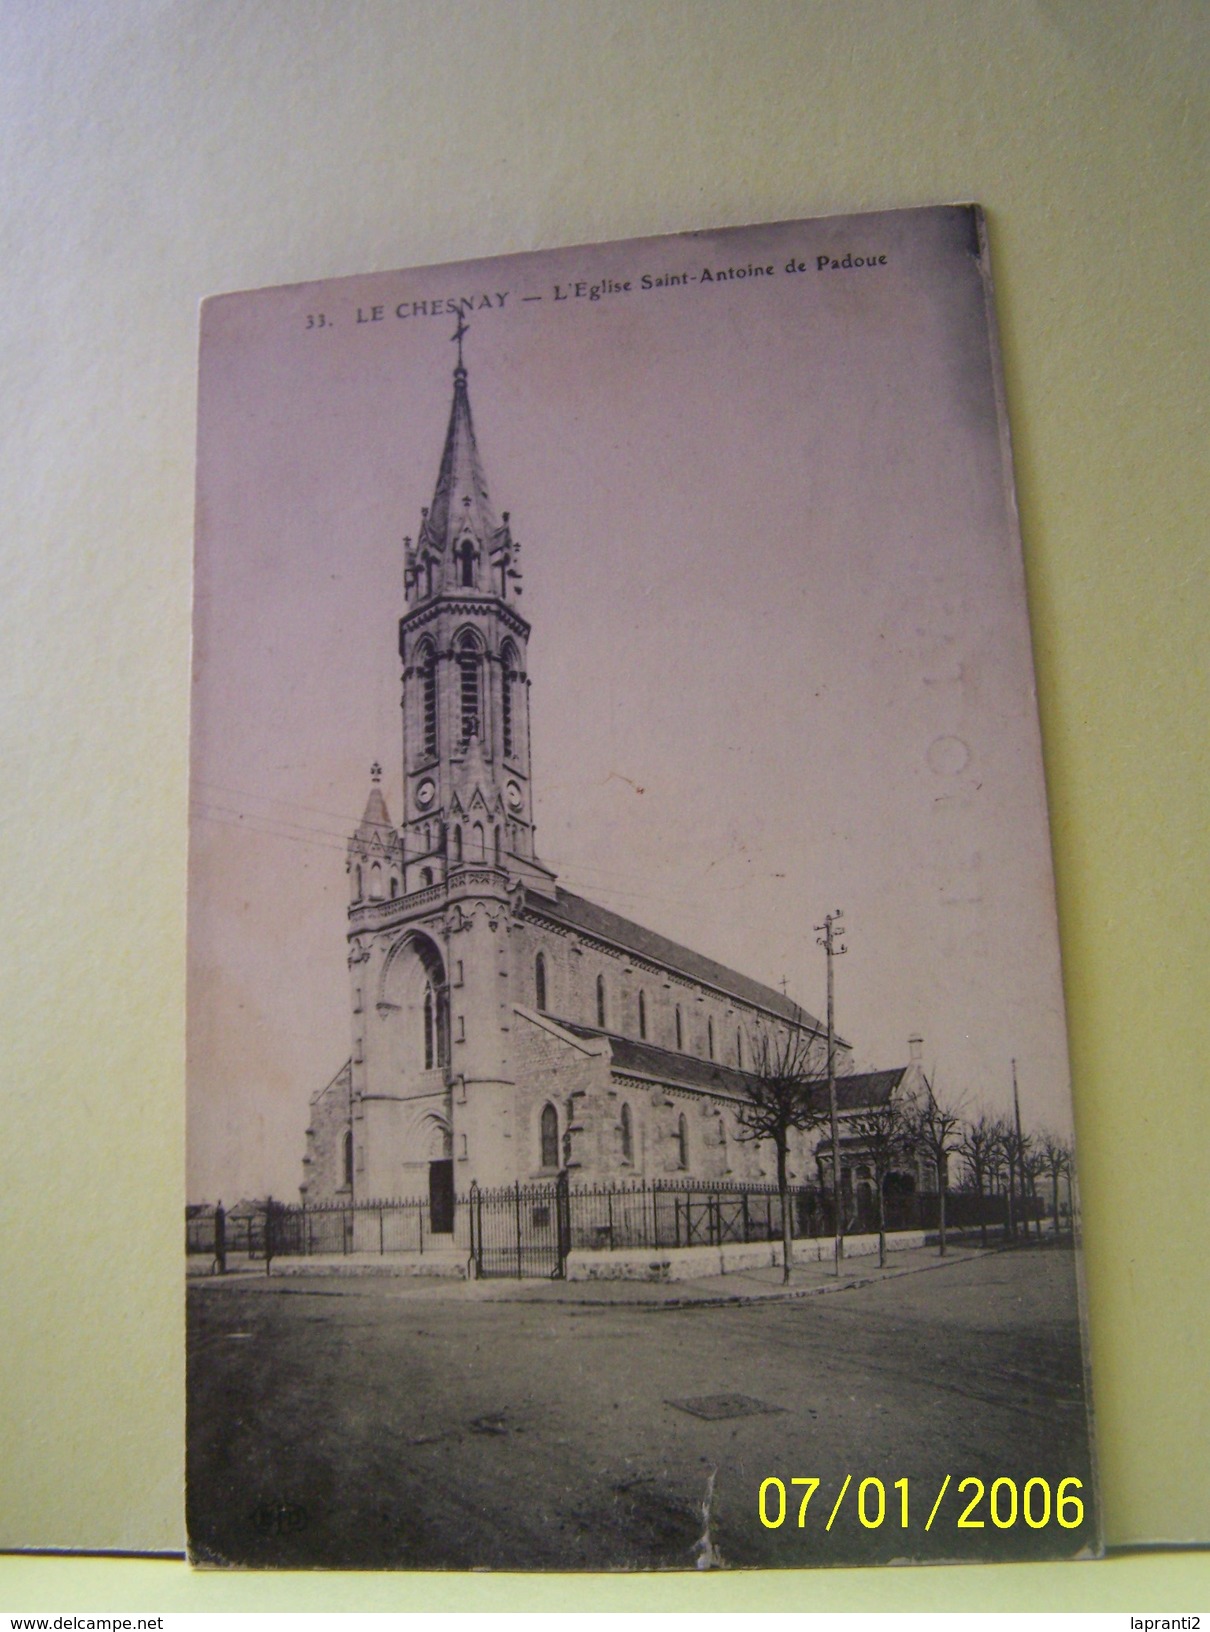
(1033, 1503)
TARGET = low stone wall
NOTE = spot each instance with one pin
(670, 1263)
(860, 1246)
(443, 1265)
(695, 1263)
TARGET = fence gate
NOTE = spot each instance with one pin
(521, 1230)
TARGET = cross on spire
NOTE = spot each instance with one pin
(457, 336)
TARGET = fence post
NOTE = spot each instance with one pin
(381, 1247)
(609, 1202)
(220, 1239)
(268, 1232)
(420, 1227)
(517, 1204)
(563, 1225)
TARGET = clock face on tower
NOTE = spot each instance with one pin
(424, 794)
(513, 794)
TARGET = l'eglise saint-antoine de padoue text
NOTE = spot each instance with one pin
(588, 289)
(598, 288)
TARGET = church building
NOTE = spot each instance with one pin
(504, 1028)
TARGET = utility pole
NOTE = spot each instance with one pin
(826, 936)
(1020, 1151)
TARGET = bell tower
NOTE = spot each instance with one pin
(463, 643)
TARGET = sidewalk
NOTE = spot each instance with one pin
(807, 1279)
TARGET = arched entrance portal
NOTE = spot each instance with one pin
(439, 1148)
(413, 1013)
(413, 1003)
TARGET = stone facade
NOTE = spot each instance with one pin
(503, 1028)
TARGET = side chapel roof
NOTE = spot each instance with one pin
(667, 1066)
(862, 1089)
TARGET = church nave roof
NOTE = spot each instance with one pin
(575, 912)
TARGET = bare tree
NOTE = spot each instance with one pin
(937, 1128)
(1033, 1165)
(781, 1086)
(977, 1147)
(1056, 1157)
(887, 1136)
(1012, 1149)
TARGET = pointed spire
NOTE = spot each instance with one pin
(376, 818)
(461, 508)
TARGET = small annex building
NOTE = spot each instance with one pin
(504, 1028)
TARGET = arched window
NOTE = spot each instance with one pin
(426, 658)
(480, 850)
(508, 671)
(739, 1048)
(426, 877)
(428, 575)
(540, 981)
(470, 685)
(457, 844)
(627, 1136)
(550, 1136)
(376, 882)
(601, 1012)
(642, 1013)
(466, 560)
(682, 1142)
(394, 887)
(347, 1157)
(357, 875)
(680, 1029)
(710, 1038)
(443, 1027)
(430, 1029)
(497, 849)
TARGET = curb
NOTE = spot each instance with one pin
(674, 1300)
(751, 1299)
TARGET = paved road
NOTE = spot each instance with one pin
(356, 1425)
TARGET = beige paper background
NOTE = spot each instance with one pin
(157, 153)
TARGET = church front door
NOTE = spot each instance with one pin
(441, 1198)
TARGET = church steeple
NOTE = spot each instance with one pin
(466, 758)
(462, 544)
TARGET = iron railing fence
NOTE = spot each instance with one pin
(276, 1229)
(685, 1213)
(240, 1232)
(520, 1229)
(529, 1229)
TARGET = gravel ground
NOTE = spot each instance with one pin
(353, 1425)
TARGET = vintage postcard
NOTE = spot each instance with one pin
(629, 1122)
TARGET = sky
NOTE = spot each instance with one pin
(780, 660)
